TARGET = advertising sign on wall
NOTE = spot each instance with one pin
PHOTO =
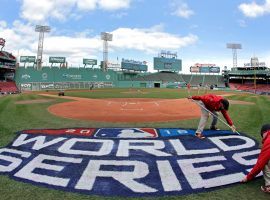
(57, 59)
(27, 59)
(89, 61)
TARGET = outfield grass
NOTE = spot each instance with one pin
(15, 117)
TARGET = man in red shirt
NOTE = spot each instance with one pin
(263, 162)
(214, 104)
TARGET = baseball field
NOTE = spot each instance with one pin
(117, 108)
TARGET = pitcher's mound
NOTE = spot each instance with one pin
(127, 110)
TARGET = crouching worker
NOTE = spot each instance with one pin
(212, 104)
(263, 162)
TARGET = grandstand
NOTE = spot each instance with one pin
(132, 74)
(183, 79)
(7, 73)
(253, 77)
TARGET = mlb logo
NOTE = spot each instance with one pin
(126, 133)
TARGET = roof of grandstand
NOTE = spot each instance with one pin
(249, 68)
(7, 56)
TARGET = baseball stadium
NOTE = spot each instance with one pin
(104, 132)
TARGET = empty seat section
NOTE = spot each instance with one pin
(8, 87)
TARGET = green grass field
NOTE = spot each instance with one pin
(14, 117)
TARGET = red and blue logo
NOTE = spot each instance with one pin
(128, 162)
(126, 133)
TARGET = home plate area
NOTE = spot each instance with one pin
(128, 161)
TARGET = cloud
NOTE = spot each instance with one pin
(3, 24)
(86, 5)
(254, 10)
(114, 5)
(19, 36)
(70, 46)
(149, 41)
(22, 38)
(40, 11)
(181, 9)
(242, 23)
(119, 15)
(110, 5)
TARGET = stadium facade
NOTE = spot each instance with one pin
(131, 74)
(253, 77)
(26, 76)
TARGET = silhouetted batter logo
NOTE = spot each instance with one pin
(126, 133)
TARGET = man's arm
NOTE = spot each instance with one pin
(196, 98)
(263, 159)
(227, 117)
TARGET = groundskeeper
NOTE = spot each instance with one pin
(211, 104)
(263, 162)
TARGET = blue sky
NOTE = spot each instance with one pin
(197, 30)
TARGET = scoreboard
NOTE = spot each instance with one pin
(167, 64)
(204, 68)
(133, 65)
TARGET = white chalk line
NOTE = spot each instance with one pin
(141, 109)
(124, 105)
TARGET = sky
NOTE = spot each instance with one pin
(198, 30)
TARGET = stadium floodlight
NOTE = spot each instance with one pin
(234, 47)
(41, 30)
(45, 29)
(105, 37)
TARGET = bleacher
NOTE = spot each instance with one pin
(203, 80)
(210, 80)
(220, 82)
(8, 87)
(194, 80)
(197, 80)
(161, 76)
(250, 87)
(168, 76)
(187, 77)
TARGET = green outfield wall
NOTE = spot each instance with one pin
(55, 78)
(63, 78)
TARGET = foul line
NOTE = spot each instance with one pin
(131, 109)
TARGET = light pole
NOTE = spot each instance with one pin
(105, 37)
(234, 48)
(41, 30)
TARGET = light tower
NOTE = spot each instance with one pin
(41, 30)
(234, 48)
(105, 37)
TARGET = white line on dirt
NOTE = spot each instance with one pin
(131, 109)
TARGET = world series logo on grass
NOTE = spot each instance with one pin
(128, 161)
